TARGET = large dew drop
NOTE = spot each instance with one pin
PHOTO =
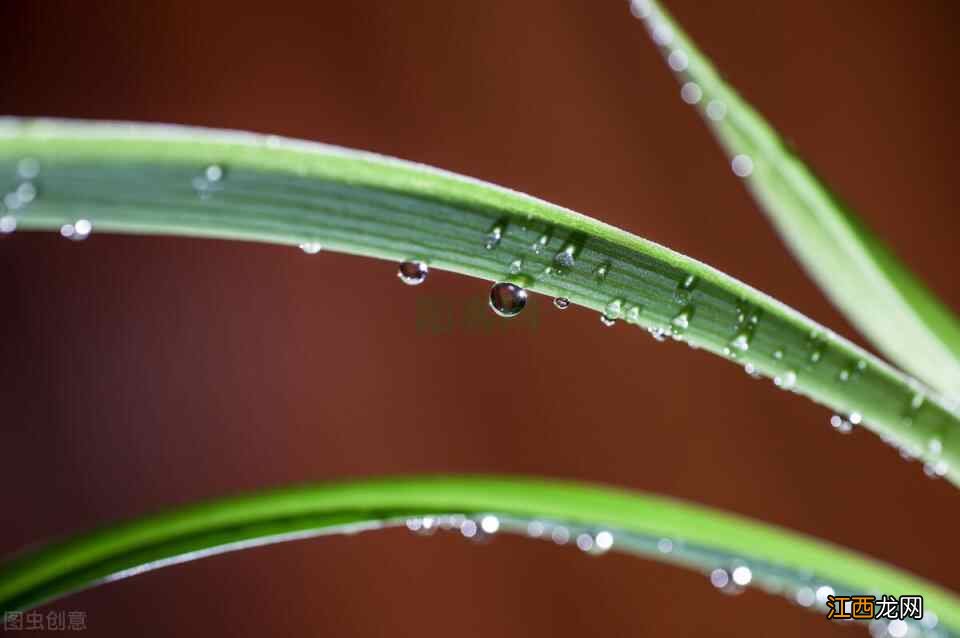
(412, 273)
(507, 300)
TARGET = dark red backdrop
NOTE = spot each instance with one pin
(137, 373)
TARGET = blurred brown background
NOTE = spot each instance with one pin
(139, 373)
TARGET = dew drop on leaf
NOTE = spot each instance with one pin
(562, 303)
(311, 247)
(507, 300)
(412, 273)
(607, 321)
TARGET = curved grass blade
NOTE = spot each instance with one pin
(134, 178)
(593, 518)
(862, 277)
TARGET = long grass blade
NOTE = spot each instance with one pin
(595, 519)
(133, 178)
(859, 273)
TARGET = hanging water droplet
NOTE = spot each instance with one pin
(516, 266)
(490, 524)
(560, 535)
(691, 93)
(507, 300)
(936, 469)
(716, 110)
(657, 333)
(720, 578)
(823, 594)
(8, 224)
(640, 9)
(494, 237)
(584, 542)
(805, 597)
(311, 247)
(469, 529)
(603, 541)
(742, 165)
(786, 381)
(562, 303)
(742, 575)
(412, 273)
(607, 321)
(840, 424)
(78, 230)
(678, 61)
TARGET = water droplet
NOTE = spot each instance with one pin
(935, 446)
(662, 33)
(490, 524)
(412, 273)
(213, 173)
(936, 469)
(640, 9)
(28, 168)
(507, 300)
(897, 628)
(823, 593)
(665, 545)
(540, 244)
(535, 529)
(678, 60)
(682, 320)
(607, 321)
(422, 526)
(720, 578)
(633, 314)
(786, 381)
(603, 540)
(469, 529)
(584, 542)
(741, 342)
(614, 309)
(778, 355)
(716, 110)
(560, 535)
(844, 375)
(565, 258)
(311, 247)
(742, 166)
(601, 272)
(562, 303)
(840, 424)
(78, 230)
(8, 224)
(657, 333)
(855, 418)
(691, 93)
(494, 237)
(751, 370)
(516, 266)
(26, 193)
(805, 597)
(742, 575)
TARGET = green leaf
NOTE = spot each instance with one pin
(651, 526)
(862, 277)
(133, 178)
